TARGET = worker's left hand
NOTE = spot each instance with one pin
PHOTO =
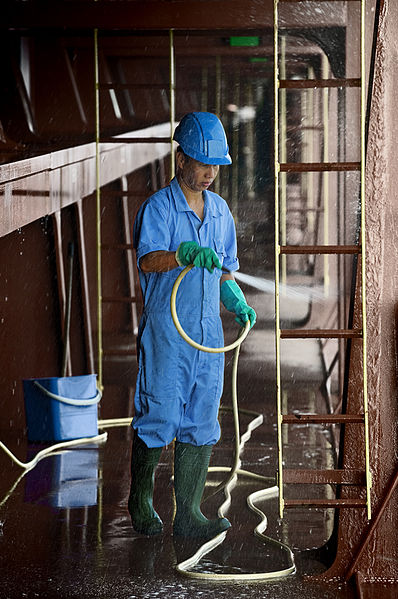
(234, 300)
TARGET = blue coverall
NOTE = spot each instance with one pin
(178, 387)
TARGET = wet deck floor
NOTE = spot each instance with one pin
(65, 531)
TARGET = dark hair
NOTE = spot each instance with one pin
(181, 151)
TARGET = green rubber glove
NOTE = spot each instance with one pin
(233, 299)
(189, 252)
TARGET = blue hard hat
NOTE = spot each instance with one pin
(202, 137)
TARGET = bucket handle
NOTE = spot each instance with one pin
(69, 400)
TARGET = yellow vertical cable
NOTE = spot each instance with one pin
(363, 265)
(277, 252)
(172, 100)
(325, 158)
(98, 210)
(99, 274)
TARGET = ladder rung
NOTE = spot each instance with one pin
(333, 503)
(320, 249)
(306, 167)
(314, 83)
(293, 128)
(119, 352)
(324, 477)
(120, 300)
(304, 211)
(165, 86)
(134, 140)
(292, 1)
(117, 246)
(320, 333)
(322, 418)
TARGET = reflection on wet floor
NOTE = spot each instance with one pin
(53, 545)
(68, 480)
(65, 531)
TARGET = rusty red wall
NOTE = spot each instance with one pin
(29, 323)
(380, 560)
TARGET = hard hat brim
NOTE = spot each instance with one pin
(219, 161)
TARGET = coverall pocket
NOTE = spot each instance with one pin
(158, 360)
(220, 250)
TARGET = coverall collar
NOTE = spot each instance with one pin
(181, 204)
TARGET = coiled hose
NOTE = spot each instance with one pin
(235, 471)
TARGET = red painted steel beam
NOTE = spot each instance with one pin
(307, 167)
(301, 476)
(319, 249)
(321, 333)
(194, 45)
(315, 83)
(325, 503)
(322, 418)
(155, 15)
(149, 14)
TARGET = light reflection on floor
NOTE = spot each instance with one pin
(65, 531)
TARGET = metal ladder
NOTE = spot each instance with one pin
(123, 194)
(361, 478)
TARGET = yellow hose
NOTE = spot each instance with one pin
(212, 350)
(52, 450)
(185, 566)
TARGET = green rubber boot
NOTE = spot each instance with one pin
(143, 464)
(190, 471)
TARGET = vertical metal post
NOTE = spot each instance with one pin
(218, 86)
(172, 100)
(98, 210)
(310, 175)
(250, 145)
(284, 409)
(217, 182)
(363, 264)
(283, 158)
(100, 509)
(60, 275)
(235, 151)
(277, 256)
(205, 87)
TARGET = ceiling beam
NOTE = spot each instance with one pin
(160, 15)
(212, 51)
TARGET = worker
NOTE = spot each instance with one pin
(178, 387)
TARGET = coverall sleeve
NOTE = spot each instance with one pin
(231, 261)
(151, 232)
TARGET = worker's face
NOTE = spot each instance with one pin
(196, 175)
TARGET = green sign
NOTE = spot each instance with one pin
(244, 40)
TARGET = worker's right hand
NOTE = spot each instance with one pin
(189, 252)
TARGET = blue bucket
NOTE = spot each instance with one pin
(61, 409)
